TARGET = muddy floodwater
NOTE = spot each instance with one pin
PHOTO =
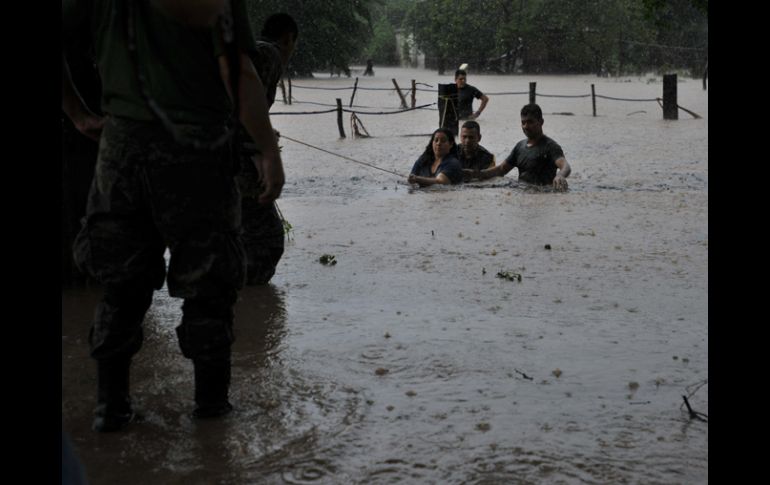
(409, 361)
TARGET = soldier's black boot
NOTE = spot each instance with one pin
(212, 383)
(113, 407)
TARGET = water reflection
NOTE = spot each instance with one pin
(260, 325)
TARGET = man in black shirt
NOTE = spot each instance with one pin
(465, 95)
(473, 156)
(537, 157)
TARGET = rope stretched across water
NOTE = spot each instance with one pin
(343, 156)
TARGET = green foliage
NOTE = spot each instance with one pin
(332, 33)
(609, 36)
(382, 48)
(554, 36)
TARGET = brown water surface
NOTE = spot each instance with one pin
(409, 360)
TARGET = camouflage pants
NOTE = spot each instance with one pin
(149, 194)
(263, 234)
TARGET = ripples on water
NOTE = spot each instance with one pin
(405, 362)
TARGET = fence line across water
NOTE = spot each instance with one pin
(668, 100)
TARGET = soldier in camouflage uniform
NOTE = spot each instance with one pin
(154, 189)
(263, 231)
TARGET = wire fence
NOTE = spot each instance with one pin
(667, 101)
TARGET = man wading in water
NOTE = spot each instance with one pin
(537, 157)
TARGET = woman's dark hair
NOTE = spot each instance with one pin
(427, 155)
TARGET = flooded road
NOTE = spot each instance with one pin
(409, 361)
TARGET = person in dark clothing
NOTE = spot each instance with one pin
(438, 164)
(79, 153)
(473, 156)
(540, 159)
(459, 102)
(263, 230)
(165, 180)
(465, 96)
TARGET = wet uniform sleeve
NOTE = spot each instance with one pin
(267, 62)
(477, 94)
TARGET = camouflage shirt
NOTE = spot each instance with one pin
(267, 61)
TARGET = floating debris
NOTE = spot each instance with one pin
(548, 247)
(381, 371)
(509, 275)
(328, 260)
(556, 373)
(268, 404)
(525, 376)
(633, 385)
(411, 393)
(483, 427)
(387, 335)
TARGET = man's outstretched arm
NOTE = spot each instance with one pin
(560, 180)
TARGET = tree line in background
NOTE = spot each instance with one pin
(606, 37)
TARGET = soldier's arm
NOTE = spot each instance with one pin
(254, 117)
(85, 120)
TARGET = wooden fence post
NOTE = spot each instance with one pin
(400, 94)
(283, 91)
(289, 89)
(414, 93)
(355, 87)
(670, 107)
(339, 118)
(593, 98)
(532, 95)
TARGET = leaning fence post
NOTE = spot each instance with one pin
(414, 93)
(355, 87)
(593, 98)
(532, 89)
(670, 107)
(283, 90)
(339, 118)
(289, 89)
(400, 94)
